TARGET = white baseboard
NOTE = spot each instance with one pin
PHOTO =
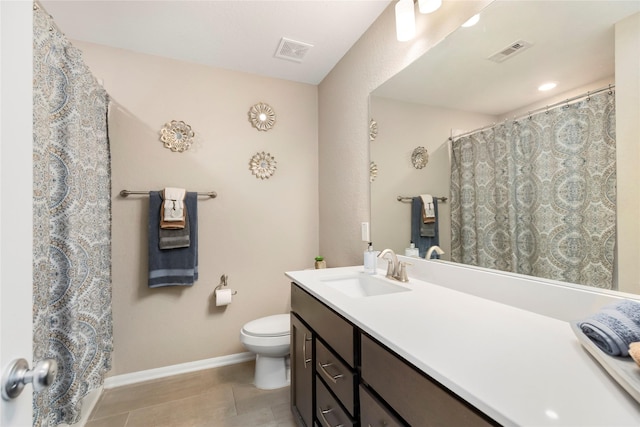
(167, 371)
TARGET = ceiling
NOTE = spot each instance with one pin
(573, 44)
(238, 35)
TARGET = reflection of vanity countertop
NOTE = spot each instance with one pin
(517, 366)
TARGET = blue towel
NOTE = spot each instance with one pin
(614, 327)
(423, 243)
(172, 267)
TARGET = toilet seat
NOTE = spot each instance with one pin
(270, 326)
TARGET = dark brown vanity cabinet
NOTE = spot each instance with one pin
(341, 376)
(302, 371)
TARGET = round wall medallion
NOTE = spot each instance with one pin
(373, 171)
(373, 130)
(177, 136)
(263, 165)
(420, 157)
(262, 116)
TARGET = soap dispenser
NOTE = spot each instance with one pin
(370, 262)
(412, 251)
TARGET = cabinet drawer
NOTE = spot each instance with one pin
(333, 329)
(336, 375)
(328, 411)
(416, 398)
(373, 413)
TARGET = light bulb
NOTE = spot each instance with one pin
(405, 20)
(428, 6)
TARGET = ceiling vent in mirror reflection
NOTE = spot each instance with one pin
(510, 51)
(292, 50)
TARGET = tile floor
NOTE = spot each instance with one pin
(223, 397)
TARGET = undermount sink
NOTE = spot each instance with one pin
(361, 285)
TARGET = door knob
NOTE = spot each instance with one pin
(17, 374)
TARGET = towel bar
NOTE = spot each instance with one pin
(125, 193)
(407, 199)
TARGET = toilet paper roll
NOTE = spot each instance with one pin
(223, 297)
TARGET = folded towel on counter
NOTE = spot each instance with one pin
(614, 327)
(175, 238)
(423, 239)
(173, 267)
(173, 207)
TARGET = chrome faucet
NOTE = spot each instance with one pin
(395, 270)
(431, 250)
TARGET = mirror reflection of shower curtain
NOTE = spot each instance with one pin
(71, 224)
(538, 196)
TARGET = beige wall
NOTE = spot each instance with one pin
(403, 126)
(628, 152)
(254, 231)
(344, 121)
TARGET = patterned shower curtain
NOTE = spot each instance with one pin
(538, 196)
(72, 224)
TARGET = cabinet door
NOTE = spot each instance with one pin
(302, 371)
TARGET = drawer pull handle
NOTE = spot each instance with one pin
(334, 378)
(324, 412)
(304, 350)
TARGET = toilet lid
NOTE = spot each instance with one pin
(270, 326)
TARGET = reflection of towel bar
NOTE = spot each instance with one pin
(125, 193)
(407, 199)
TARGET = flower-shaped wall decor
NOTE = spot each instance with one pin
(419, 157)
(177, 136)
(262, 116)
(373, 130)
(263, 165)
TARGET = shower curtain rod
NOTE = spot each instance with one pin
(407, 199)
(125, 193)
(538, 110)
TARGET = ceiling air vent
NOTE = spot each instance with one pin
(292, 50)
(510, 51)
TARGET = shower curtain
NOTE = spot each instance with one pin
(71, 224)
(537, 196)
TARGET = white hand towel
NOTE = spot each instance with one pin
(428, 211)
(173, 204)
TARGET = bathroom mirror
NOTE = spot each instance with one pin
(456, 88)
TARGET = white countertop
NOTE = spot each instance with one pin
(519, 367)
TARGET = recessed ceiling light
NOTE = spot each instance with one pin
(472, 21)
(547, 86)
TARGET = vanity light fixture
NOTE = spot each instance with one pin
(428, 6)
(405, 20)
(547, 86)
(406, 16)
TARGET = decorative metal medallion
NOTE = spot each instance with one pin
(373, 130)
(420, 157)
(263, 165)
(262, 116)
(177, 136)
(373, 171)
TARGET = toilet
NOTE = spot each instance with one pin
(270, 339)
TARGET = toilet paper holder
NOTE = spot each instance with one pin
(223, 282)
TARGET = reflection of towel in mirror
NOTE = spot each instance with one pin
(428, 211)
(614, 327)
(423, 235)
(172, 267)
